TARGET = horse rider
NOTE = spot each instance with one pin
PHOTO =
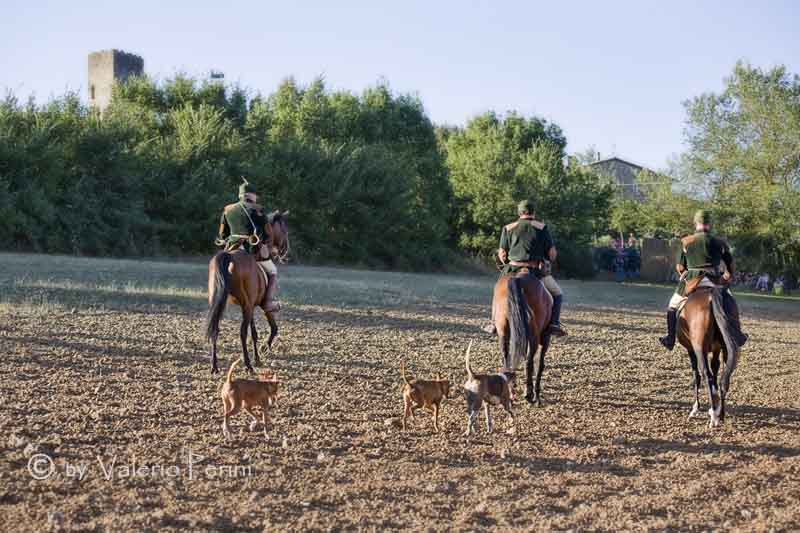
(705, 256)
(242, 226)
(527, 244)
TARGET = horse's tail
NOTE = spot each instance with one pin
(518, 323)
(218, 293)
(721, 318)
(731, 346)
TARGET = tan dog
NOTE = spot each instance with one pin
(424, 393)
(484, 389)
(249, 394)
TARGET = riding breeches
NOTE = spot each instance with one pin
(550, 284)
(269, 267)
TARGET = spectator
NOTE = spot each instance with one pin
(777, 287)
(763, 282)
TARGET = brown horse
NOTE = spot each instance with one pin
(236, 277)
(521, 309)
(703, 329)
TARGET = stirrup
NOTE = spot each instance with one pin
(557, 329)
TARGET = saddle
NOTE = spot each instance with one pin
(260, 251)
(693, 284)
(540, 269)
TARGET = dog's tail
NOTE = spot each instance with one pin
(403, 372)
(470, 374)
(230, 370)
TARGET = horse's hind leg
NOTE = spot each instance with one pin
(536, 366)
(254, 335)
(529, 378)
(540, 365)
(725, 382)
(503, 341)
(273, 329)
(695, 383)
(214, 366)
(247, 317)
(713, 392)
(715, 364)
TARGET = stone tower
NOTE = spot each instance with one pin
(107, 66)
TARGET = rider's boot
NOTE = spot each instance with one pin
(271, 305)
(555, 320)
(732, 310)
(672, 323)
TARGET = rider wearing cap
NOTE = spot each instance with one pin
(242, 226)
(527, 244)
(707, 256)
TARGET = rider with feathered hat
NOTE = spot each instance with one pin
(242, 226)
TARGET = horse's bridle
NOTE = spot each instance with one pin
(283, 253)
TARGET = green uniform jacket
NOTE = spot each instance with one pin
(701, 255)
(235, 224)
(525, 240)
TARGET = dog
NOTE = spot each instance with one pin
(249, 394)
(424, 393)
(484, 389)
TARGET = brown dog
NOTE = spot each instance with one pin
(249, 394)
(424, 393)
(484, 389)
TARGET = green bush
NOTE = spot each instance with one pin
(574, 261)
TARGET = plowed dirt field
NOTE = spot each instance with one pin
(110, 418)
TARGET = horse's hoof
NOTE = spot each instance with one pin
(251, 370)
(214, 370)
(713, 418)
(530, 398)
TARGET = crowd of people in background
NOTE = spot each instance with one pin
(764, 282)
(623, 258)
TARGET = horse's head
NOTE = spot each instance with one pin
(278, 232)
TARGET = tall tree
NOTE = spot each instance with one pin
(494, 162)
(745, 141)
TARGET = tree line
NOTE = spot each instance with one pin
(368, 177)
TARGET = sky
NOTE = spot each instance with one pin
(614, 75)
